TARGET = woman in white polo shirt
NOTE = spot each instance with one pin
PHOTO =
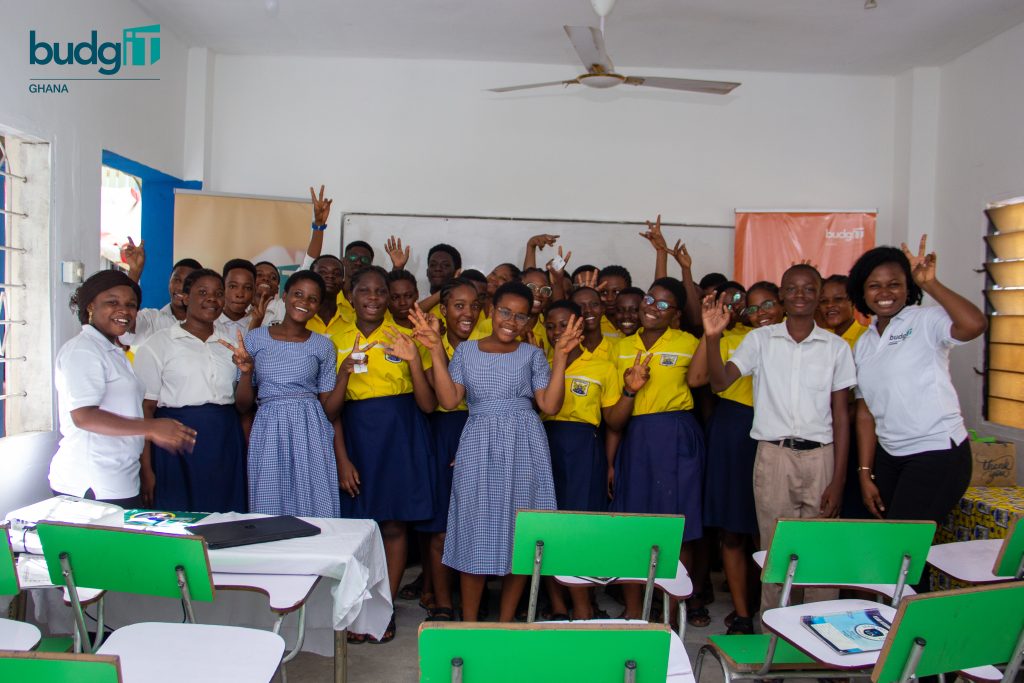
(921, 465)
(100, 400)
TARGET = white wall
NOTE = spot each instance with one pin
(981, 159)
(140, 120)
(423, 137)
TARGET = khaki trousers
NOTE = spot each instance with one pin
(789, 483)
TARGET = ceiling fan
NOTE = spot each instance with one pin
(589, 45)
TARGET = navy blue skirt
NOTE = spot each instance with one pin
(578, 466)
(659, 468)
(388, 441)
(212, 477)
(729, 472)
(446, 429)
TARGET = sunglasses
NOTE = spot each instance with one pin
(765, 306)
(543, 290)
(660, 305)
(506, 314)
(356, 258)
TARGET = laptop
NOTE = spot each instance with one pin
(250, 531)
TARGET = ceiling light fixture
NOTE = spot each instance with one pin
(870, 4)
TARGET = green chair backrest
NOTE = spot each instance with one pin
(543, 653)
(597, 543)
(127, 561)
(8, 572)
(58, 667)
(1012, 551)
(847, 551)
(961, 629)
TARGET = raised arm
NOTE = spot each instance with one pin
(402, 346)
(697, 373)
(693, 295)
(968, 320)
(657, 240)
(716, 319)
(135, 256)
(634, 379)
(449, 394)
(549, 399)
(533, 244)
(245, 396)
(399, 256)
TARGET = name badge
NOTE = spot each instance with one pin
(668, 359)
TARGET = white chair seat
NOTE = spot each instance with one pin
(679, 670)
(786, 622)
(982, 674)
(679, 587)
(17, 635)
(886, 589)
(198, 653)
(286, 593)
(968, 561)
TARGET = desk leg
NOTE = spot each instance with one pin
(341, 657)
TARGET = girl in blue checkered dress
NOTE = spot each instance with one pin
(503, 463)
(292, 468)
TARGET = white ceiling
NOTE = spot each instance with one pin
(828, 36)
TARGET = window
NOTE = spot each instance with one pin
(120, 214)
(1004, 343)
(25, 295)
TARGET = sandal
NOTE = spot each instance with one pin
(729, 618)
(389, 633)
(698, 617)
(440, 614)
(741, 626)
(411, 590)
(356, 638)
(427, 601)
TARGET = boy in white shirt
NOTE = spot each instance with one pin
(801, 417)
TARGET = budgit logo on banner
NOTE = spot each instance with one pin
(848, 235)
(139, 47)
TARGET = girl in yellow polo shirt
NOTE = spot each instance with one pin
(729, 475)
(386, 433)
(659, 467)
(540, 286)
(594, 339)
(593, 394)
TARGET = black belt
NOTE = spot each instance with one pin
(798, 444)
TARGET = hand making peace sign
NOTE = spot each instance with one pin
(636, 376)
(321, 207)
(922, 266)
(239, 355)
(356, 357)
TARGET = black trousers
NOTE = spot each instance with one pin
(923, 486)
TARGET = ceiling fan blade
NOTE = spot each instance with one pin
(589, 45)
(510, 88)
(710, 87)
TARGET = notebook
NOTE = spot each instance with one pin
(862, 630)
(250, 531)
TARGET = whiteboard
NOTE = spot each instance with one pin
(486, 242)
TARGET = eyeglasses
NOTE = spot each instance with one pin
(505, 314)
(736, 299)
(765, 306)
(543, 290)
(660, 305)
(356, 258)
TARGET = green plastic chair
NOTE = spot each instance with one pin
(825, 552)
(54, 667)
(1010, 561)
(14, 635)
(163, 565)
(543, 653)
(598, 544)
(955, 630)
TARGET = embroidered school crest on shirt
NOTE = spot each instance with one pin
(668, 359)
(391, 359)
(579, 387)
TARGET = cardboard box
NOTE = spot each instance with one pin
(995, 464)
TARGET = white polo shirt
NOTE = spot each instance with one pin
(91, 371)
(903, 376)
(179, 369)
(233, 327)
(793, 383)
(147, 322)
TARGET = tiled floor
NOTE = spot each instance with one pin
(397, 661)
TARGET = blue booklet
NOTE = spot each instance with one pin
(850, 633)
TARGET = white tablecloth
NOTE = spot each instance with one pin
(353, 594)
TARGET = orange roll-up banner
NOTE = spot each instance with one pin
(767, 243)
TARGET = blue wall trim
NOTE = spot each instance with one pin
(157, 223)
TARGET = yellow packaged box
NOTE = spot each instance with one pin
(995, 463)
(983, 512)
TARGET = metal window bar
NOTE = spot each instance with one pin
(7, 172)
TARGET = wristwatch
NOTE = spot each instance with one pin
(627, 393)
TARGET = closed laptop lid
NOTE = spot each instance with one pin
(256, 530)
